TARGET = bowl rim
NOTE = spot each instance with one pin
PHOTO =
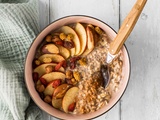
(87, 16)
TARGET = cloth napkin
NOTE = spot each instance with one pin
(18, 28)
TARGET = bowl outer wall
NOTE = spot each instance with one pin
(30, 56)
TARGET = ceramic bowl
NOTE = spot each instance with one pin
(30, 56)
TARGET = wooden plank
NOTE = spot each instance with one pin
(141, 100)
(43, 13)
(107, 11)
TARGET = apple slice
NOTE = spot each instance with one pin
(50, 48)
(49, 89)
(64, 51)
(60, 91)
(41, 68)
(81, 32)
(76, 41)
(55, 57)
(54, 76)
(90, 40)
(69, 98)
(57, 103)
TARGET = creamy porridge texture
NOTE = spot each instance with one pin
(92, 96)
(69, 78)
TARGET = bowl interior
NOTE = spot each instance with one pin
(30, 56)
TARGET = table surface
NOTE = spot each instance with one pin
(142, 97)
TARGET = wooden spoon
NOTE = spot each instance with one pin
(125, 29)
(123, 33)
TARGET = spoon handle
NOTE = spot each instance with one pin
(127, 26)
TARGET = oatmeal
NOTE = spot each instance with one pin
(67, 69)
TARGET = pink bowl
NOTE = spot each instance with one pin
(30, 56)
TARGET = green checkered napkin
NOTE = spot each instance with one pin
(18, 28)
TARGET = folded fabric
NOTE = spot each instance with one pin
(18, 28)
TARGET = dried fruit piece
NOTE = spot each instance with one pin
(48, 99)
(60, 42)
(56, 83)
(35, 76)
(40, 88)
(48, 38)
(62, 36)
(59, 65)
(69, 44)
(49, 68)
(70, 36)
(72, 107)
(76, 75)
(99, 30)
(82, 61)
(69, 74)
(55, 38)
(47, 60)
(43, 81)
(37, 62)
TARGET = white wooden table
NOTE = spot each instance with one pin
(141, 100)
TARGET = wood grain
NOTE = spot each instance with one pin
(141, 100)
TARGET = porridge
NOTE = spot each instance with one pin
(67, 69)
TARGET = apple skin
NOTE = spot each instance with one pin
(55, 58)
(76, 41)
(41, 68)
(81, 32)
(91, 35)
(50, 48)
(64, 51)
(60, 91)
(54, 76)
(69, 98)
(49, 89)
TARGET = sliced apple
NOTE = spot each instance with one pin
(50, 48)
(41, 68)
(49, 89)
(76, 41)
(69, 98)
(81, 32)
(60, 91)
(55, 58)
(57, 103)
(90, 40)
(54, 76)
(64, 51)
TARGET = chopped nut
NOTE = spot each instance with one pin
(49, 68)
(70, 36)
(76, 75)
(69, 74)
(55, 38)
(62, 36)
(99, 31)
(48, 38)
(40, 88)
(82, 61)
(48, 99)
(37, 62)
(74, 82)
(47, 60)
